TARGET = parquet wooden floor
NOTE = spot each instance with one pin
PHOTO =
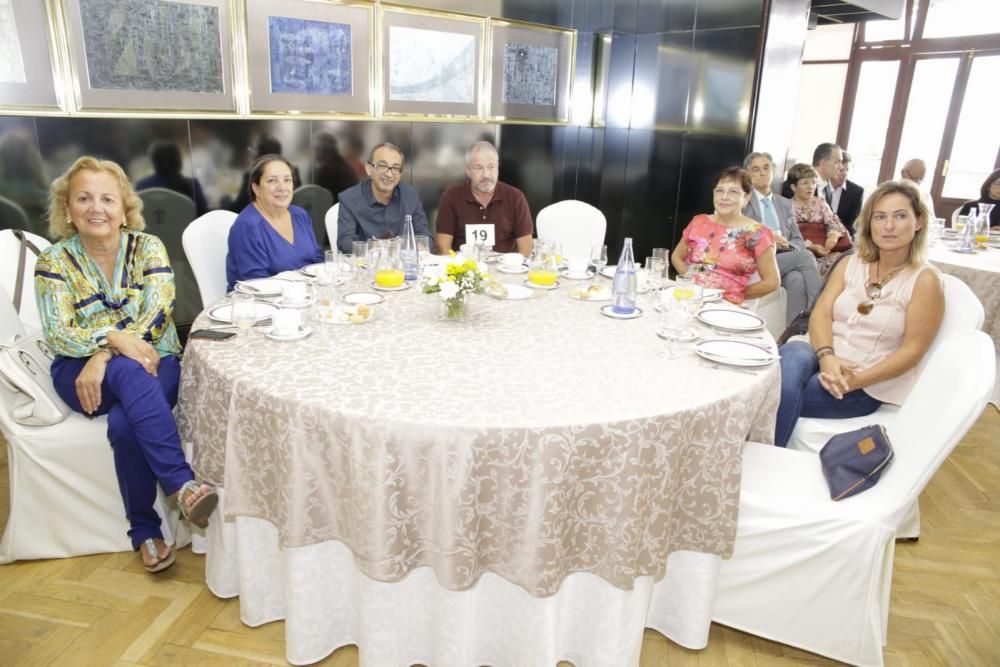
(105, 610)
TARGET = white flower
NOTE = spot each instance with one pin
(449, 290)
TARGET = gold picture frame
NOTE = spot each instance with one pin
(29, 66)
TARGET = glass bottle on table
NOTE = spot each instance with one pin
(408, 250)
(623, 289)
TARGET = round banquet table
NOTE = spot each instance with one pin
(981, 272)
(536, 483)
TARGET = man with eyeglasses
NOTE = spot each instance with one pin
(484, 200)
(799, 274)
(375, 207)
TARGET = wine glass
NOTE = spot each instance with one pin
(244, 313)
(599, 258)
(331, 268)
(675, 317)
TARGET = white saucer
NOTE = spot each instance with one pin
(304, 330)
(608, 311)
(262, 286)
(312, 270)
(224, 312)
(503, 268)
(691, 336)
(280, 301)
(366, 298)
(532, 285)
(587, 275)
(400, 288)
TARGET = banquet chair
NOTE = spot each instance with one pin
(12, 216)
(64, 498)
(331, 224)
(578, 225)
(962, 311)
(316, 200)
(167, 213)
(206, 243)
(815, 573)
(9, 248)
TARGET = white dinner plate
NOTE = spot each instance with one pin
(504, 268)
(262, 286)
(224, 312)
(400, 288)
(590, 293)
(729, 319)
(367, 298)
(609, 271)
(304, 330)
(510, 292)
(311, 270)
(608, 310)
(532, 285)
(708, 294)
(735, 352)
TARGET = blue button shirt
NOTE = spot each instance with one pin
(362, 217)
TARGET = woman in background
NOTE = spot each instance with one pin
(989, 193)
(811, 212)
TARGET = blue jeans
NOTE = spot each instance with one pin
(142, 431)
(803, 396)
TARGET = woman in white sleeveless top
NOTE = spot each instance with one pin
(873, 322)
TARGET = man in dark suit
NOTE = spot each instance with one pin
(799, 275)
(847, 195)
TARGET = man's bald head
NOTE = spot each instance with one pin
(914, 170)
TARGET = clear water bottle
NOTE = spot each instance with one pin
(623, 287)
(967, 238)
(408, 250)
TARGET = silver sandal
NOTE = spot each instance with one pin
(202, 508)
(161, 563)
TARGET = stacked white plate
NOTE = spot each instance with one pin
(262, 286)
(735, 352)
(729, 319)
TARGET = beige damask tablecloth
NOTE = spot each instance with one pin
(536, 439)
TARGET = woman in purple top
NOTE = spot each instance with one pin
(270, 235)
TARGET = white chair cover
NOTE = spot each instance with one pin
(12, 216)
(331, 224)
(772, 307)
(9, 248)
(816, 574)
(328, 603)
(578, 225)
(167, 214)
(206, 243)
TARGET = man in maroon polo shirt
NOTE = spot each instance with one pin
(484, 200)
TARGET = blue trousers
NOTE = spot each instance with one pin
(803, 396)
(142, 431)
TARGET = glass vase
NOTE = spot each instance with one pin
(455, 308)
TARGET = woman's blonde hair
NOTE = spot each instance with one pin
(60, 226)
(867, 250)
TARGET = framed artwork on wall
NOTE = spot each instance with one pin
(310, 57)
(27, 75)
(432, 64)
(531, 72)
(151, 56)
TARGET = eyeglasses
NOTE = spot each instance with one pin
(732, 192)
(382, 167)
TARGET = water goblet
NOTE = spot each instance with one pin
(599, 258)
(244, 314)
(330, 272)
(359, 251)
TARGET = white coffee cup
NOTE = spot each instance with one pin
(286, 321)
(577, 265)
(294, 292)
(512, 259)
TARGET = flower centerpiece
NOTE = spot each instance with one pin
(459, 278)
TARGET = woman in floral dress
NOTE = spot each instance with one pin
(810, 209)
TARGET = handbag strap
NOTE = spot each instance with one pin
(22, 254)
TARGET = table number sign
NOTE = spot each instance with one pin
(481, 234)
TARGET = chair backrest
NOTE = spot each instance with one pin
(951, 394)
(962, 308)
(331, 224)
(316, 200)
(9, 248)
(206, 243)
(12, 216)
(10, 324)
(167, 213)
(578, 225)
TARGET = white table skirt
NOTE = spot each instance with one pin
(327, 603)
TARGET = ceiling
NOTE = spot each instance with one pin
(825, 12)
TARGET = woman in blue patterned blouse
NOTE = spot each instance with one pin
(105, 292)
(270, 235)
